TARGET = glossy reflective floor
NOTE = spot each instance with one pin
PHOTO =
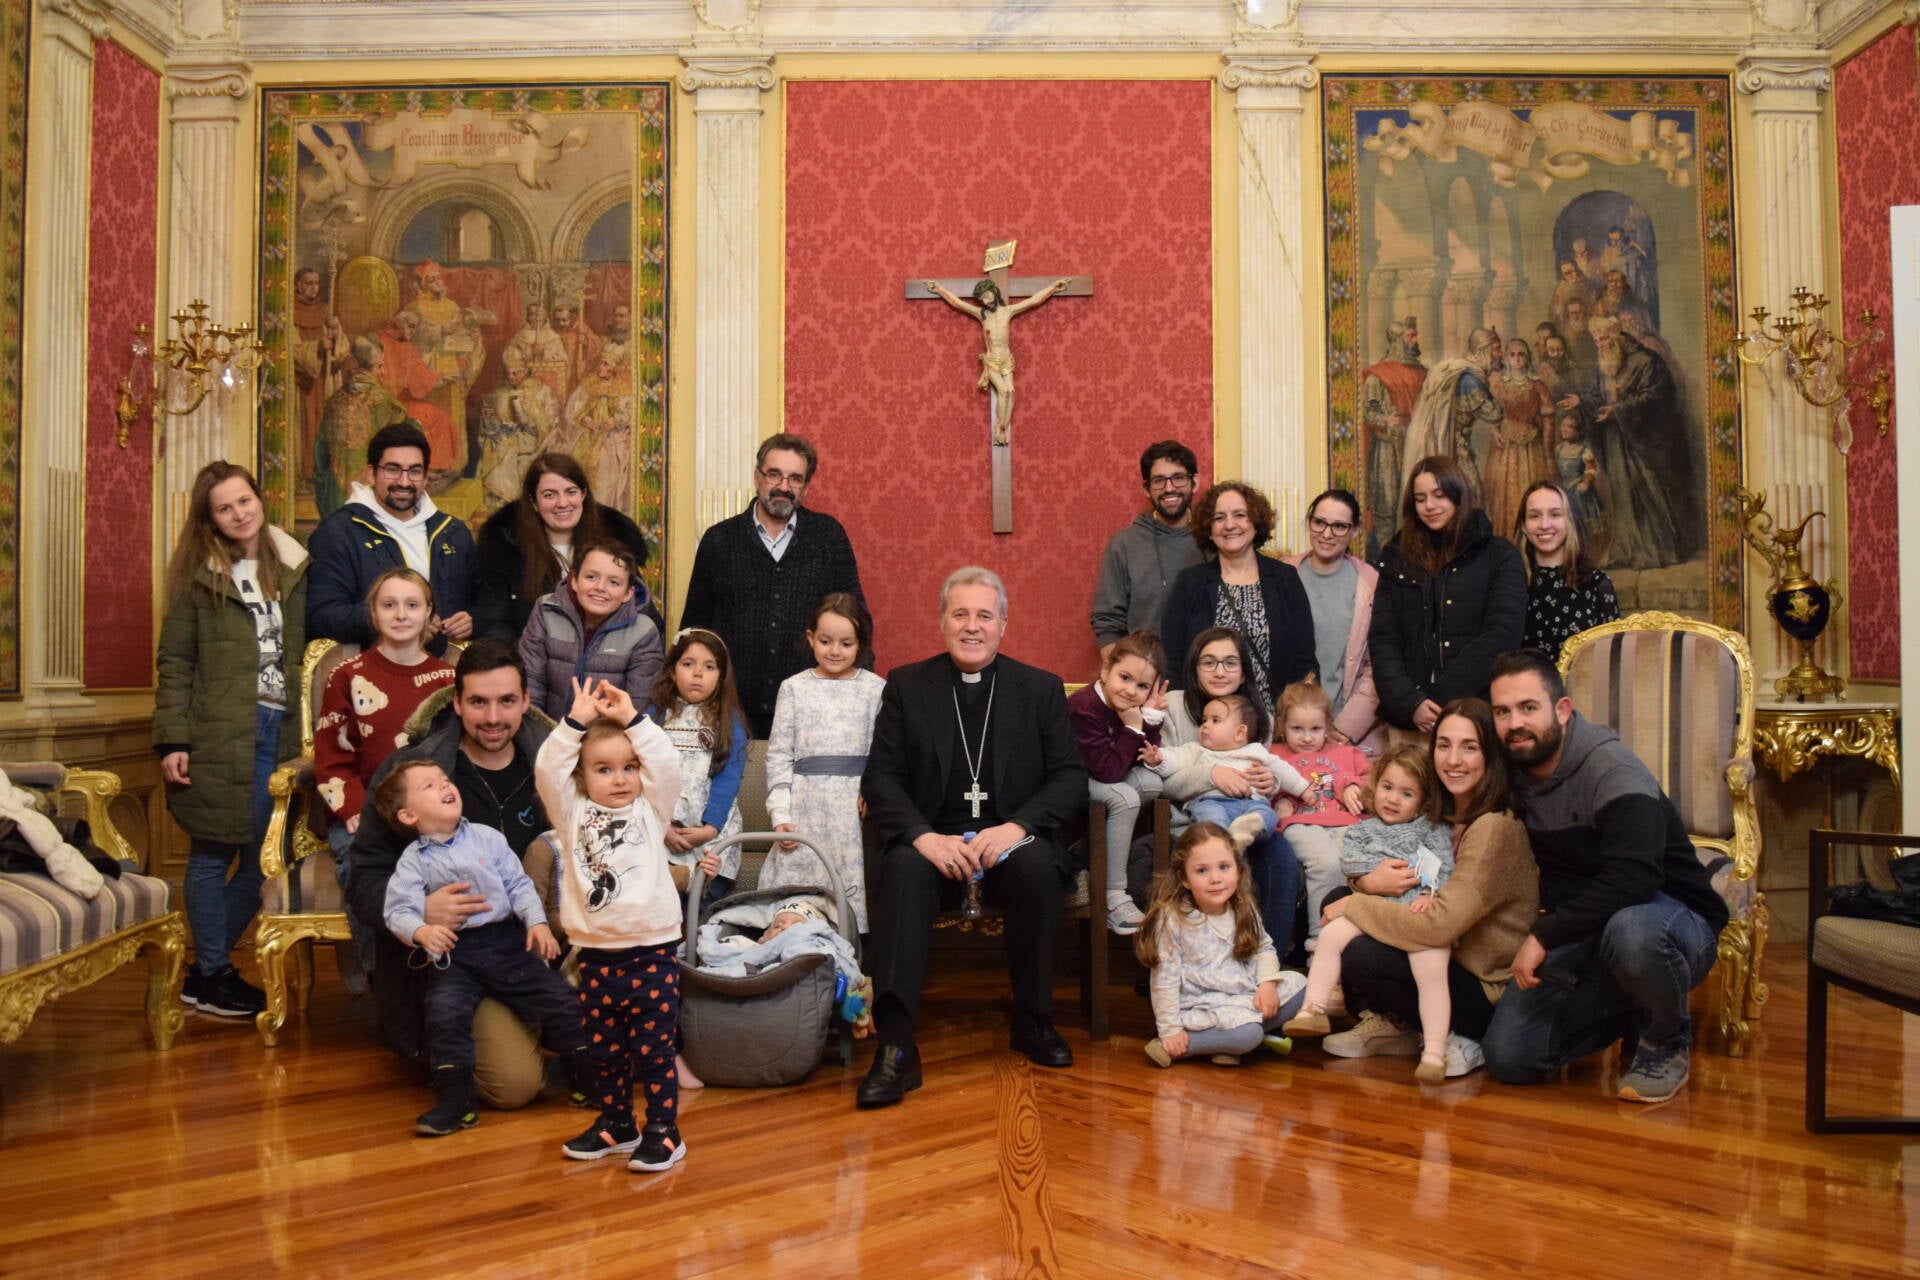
(227, 1159)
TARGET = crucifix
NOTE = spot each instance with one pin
(974, 798)
(991, 301)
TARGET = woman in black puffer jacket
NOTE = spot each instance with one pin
(1452, 598)
(555, 510)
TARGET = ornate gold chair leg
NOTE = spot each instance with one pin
(270, 951)
(1756, 994)
(1735, 959)
(302, 957)
(166, 971)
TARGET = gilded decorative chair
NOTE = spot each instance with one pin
(1680, 695)
(301, 902)
(53, 942)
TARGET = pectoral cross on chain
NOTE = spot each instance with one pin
(991, 301)
(974, 797)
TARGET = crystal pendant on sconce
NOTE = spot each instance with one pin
(141, 350)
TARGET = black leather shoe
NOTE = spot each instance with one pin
(894, 1073)
(1036, 1038)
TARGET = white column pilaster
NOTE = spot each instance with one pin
(54, 356)
(1269, 93)
(207, 101)
(1789, 449)
(727, 88)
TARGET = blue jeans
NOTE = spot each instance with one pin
(1276, 887)
(220, 909)
(1630, 979)
(1224, 809)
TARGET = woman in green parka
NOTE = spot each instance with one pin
(224, 711)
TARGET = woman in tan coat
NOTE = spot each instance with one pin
(1483, 911)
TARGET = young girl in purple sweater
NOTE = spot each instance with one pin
(1117, 719)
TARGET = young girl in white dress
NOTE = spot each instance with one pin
(694, 701)
(822, 728)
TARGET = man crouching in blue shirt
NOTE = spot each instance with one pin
(1631, 918)
(489, 956)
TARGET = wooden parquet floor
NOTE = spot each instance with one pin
(226, 1159)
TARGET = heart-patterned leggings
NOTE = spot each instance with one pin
(631, 1002)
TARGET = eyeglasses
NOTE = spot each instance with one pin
(1219, 664)
(1339, 528)
(394, 471)
(782, 477)
(1179, 481)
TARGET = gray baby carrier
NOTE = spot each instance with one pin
(770, 1028)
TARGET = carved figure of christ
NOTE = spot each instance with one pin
(991, 301)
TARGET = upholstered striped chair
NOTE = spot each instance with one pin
(300, 901)
(1680, 695)
(53, 941)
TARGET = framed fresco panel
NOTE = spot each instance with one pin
(490, 261)
(13, 234)
(1534, 275)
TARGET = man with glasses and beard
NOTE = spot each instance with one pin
(1630, 921)
(1143, 559)
(757, 575)
(389, 522)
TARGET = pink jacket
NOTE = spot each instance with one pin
(1360, 718)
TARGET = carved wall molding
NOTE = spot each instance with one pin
(1804, 75)
(746, 70)
(88, 15)
(231, 81)
(1268, 73)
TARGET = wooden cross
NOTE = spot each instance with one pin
(1016, 295)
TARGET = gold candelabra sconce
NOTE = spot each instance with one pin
(1798, 602)
(198, 357)
(1816, 360)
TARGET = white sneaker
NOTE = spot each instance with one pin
(1125, 918)
(1372, 1037)
(1464, 1056)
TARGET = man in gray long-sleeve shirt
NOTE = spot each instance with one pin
(1630, 918)
(1143, 559)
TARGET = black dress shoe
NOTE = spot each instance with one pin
(1036, 1038)
(894, 1072)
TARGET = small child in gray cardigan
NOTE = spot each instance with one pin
(1427, 848)
(1403, 794)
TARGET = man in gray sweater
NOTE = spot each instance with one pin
(1630, 919)
(1143, 559)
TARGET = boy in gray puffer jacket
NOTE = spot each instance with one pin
(591, 628)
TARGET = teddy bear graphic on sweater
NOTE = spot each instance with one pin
(367, 696)
(334, 792)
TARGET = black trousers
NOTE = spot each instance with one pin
(1028, 887)
(493, 960)
(1378, 979)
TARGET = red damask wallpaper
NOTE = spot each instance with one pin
(120, 288)
(1877, 120)
(898, 180)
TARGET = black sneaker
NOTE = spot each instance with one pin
(228, 995)
(190, 989)
(602, 1138)
(660, 1149)
(583, 1078)
(456, 1108)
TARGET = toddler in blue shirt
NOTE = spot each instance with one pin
(500, 952)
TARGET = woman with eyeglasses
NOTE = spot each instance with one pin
(1340, 588)
(526, 548)
(1256, 595)
(1219, 662)
(1452, 598)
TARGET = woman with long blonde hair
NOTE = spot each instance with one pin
(228, 664)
